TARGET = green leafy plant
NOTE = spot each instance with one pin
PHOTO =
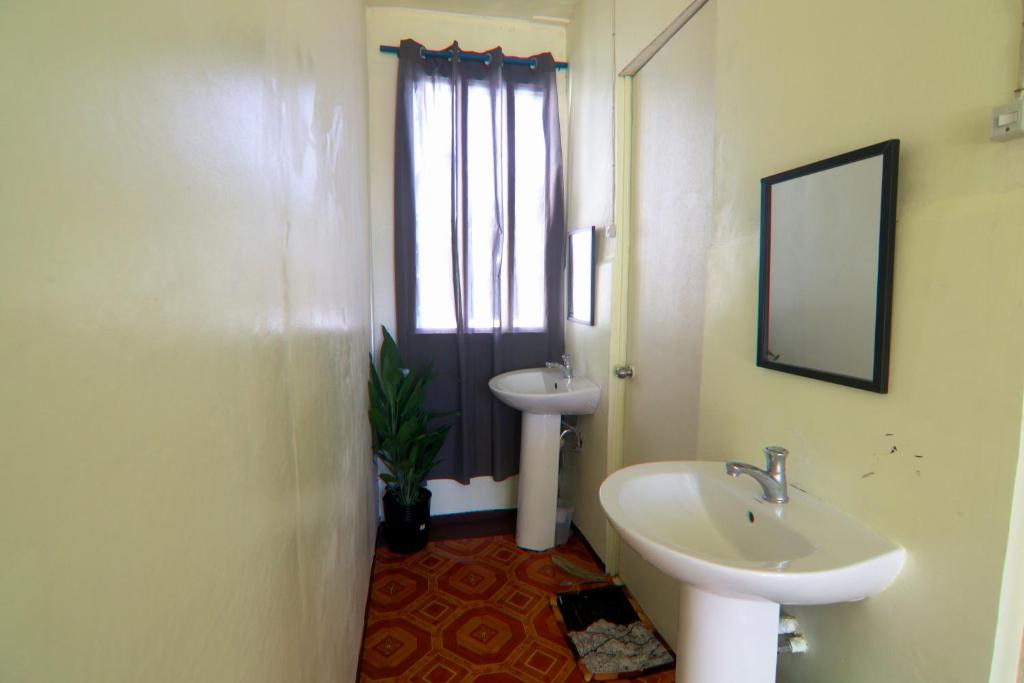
(403, 437)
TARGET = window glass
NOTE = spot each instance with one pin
(530, 200)
(485, 240)
(432, 170)
(483, 251)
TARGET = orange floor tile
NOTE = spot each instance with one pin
(472, 610)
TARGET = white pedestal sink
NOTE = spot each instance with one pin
(739, 558)
(544, 396)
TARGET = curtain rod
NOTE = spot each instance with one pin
(474, 57)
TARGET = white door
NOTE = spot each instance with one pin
(672, 204)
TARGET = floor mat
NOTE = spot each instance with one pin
(609, 636)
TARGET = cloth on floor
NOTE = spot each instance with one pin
(605, 647)
(609, 635)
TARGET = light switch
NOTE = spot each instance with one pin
(1008, 121)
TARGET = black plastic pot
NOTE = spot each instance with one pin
(406, 527)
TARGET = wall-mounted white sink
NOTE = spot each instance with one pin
(713, 531)
(544, 395)
(546, 392)
(739, 557)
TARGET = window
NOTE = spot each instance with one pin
(479, 236)
(491, 186)
(432, 140)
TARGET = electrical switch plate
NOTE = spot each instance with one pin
(1008, 121)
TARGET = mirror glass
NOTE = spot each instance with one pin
(826, 268)
(582, 257)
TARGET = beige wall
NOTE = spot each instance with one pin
(798, 81)
(590, 189)
(183, 259)
(804, 72)
(388, 26)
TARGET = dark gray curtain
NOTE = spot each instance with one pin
(487, 225)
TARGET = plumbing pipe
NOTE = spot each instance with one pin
(792, 645)
(788, 625)
(569, 429)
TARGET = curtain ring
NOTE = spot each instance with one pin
(423, 54)
(533, 63)
(487, 60)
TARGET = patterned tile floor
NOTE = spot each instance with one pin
(471, 610)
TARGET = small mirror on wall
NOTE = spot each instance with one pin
(827, 244)
(582, 260)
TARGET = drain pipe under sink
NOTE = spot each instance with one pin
(791, 641)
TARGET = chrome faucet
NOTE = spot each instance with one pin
(565, 366)
(772, 478)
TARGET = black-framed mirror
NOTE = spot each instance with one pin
(582, 260)
(827, 247)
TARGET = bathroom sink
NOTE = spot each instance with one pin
(544, 396)
(542, 391)
(715, 533)
(738, 558)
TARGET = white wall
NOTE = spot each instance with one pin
(1008, 654)
(638, 24)
(388, 26)
(186, 477)
(672, 218)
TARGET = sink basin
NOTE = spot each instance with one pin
(544, 396)
(545, 392)
(713, 531)
(738, 557)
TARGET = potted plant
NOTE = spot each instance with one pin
(406, 443)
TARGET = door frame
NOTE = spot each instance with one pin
(623, 201)
(618, 343)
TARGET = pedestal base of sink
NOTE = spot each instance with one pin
(725, 640)
(538, 482)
